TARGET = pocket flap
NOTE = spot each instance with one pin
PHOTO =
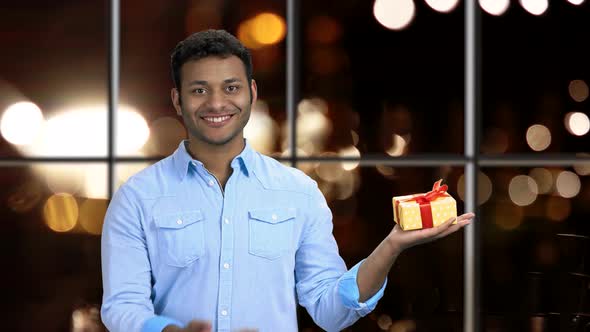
(273, 216)
(178, 220)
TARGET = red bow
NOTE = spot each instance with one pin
(424, 201)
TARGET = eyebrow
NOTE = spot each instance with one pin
(226, 81)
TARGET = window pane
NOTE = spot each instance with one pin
(385, 92)
(535, 80)
(53, 86)
(52, 218)
(150, 126)
(425, 286)
(535, 247)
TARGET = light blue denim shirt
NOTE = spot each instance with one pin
(177, 247)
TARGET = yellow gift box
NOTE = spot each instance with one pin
(424, 210)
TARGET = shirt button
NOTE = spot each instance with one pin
(223, 312)
(226, 266)
(179, 221)
(274, 217)
(211, 183)
(226, 221)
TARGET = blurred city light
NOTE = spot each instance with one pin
(577, 123)
(323, 30)
(313, 125)
(92, 212)
(523, 190)
(21, 123)
(484, 187)
(584, 168)
(538, 137)
(387, 171)
(494, 7)
(262, 30)
(63, 177)
(349, 152)
(576, 2)
(61, 212)
(495, 141)
(82, 132)
(568, 184)
(398, 146)
(543, 178)
(558, 208)
(96, 183)
(261, 130)
(578, 90)
(535, 7)
(165, 135)
(443, 6)
(508, 216)
(394, 14)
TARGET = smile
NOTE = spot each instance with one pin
(217, 119)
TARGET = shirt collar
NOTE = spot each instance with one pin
(182, 159)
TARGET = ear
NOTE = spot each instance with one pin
(254, 89)
(175, 96)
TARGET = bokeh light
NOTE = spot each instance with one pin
(543, 178)
(568, 184)
(404, 325)
(578, 90)
(582, 168)
(21, 123)
(494, 7)
(398, 146)
(261, 130)
(313, 126)
(538, 137)
(558, 208)
(577, 123)
(384, 322)
(132, 131)
(443, 6)
(523, 190)
(61, 212)
(484, 187)
(576, 2)
(165, 135)
(535, 7)
(92, 212)
(508, 216)
(63, 177)
(394, 14)
(349, 152)
(323, 30)
(262, 30)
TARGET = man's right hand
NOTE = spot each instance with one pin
(192, 326)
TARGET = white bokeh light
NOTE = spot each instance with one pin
(443, 6)
(132, 131)
(394, 14)
(535, 7)
(494, 7)
(577, 123)
(576, 2)
(21, 123)
(568, 184)
(523, 190)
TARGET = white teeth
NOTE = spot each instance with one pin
(217, 118)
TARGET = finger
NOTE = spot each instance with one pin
(198, 326)
(454, 228)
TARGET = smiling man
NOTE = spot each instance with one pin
(217, 237)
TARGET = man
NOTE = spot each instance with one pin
(218, 237)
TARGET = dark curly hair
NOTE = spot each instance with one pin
(208, 43)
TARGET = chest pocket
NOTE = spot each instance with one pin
(181, 237)
(271, 231)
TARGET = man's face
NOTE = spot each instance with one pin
(215, 98)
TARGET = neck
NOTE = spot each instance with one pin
(216, 158)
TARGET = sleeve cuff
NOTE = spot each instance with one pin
(158, 323)
(349, 292)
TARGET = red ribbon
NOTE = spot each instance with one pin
(424, 201)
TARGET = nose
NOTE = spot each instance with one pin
(216, 101)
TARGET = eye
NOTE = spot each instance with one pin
(199, 91)
(232, 88)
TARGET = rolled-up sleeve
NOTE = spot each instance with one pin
(324, 286)
(126, 270)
